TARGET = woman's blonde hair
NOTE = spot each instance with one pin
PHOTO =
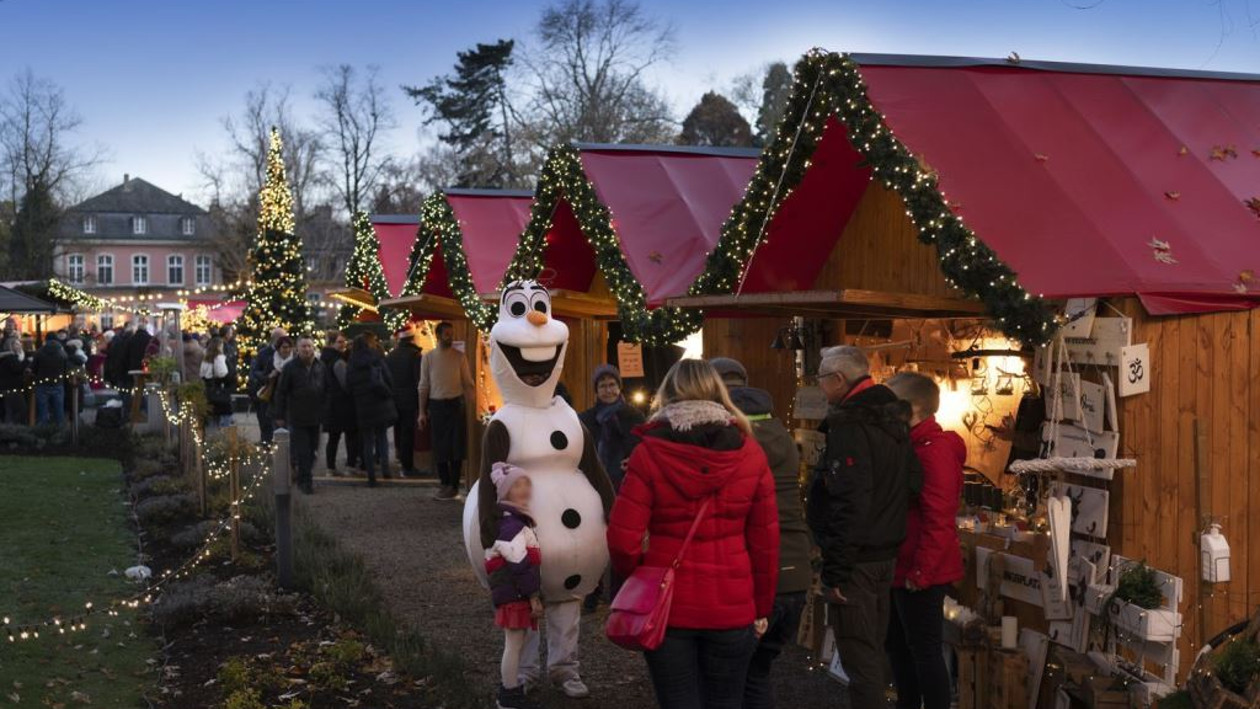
(697, 380)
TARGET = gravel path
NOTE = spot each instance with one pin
(414, 547)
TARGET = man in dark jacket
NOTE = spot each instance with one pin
(260, 370)
(857, 510)
(404, 368)
(50, 368)
(299, 406)
(231, 353)
(339, 418)
(795, 574)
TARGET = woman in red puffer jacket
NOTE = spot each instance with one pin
(697, 447)
(929, 559)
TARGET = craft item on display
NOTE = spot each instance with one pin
(1074, 633)
(835, 670)
(828, 646)
(1098, 555)
(1020, 579)
(1109, 403)
(1071, 441)
(1043, 360)
(1059, 514)
(630, 359)
(1135, 369)
(1010, 632)
(812, 445)
(810, 404)
(1069, 393)
(1093, 406)
(1036, 646)
(539, 432)
(1214, 555)
(1157, 625)
(1080, 315)
(1089, 508)
(1104, 343)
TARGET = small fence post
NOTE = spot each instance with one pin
(199, 475)
(280, 485)
(74, 414)
(234, 491)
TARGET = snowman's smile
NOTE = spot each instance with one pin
(532, 365)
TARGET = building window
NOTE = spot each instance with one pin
(74, 268)
(89, 224)
(175, 270)
(139, 270)
(204, 270)
(187, 226)
(106, 321)
(105, 270)
(139, 225)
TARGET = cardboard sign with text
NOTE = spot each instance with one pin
(630, 359)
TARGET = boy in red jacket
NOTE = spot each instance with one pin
(929, 559)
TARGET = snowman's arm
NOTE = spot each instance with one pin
(595, 473)
(494, 449)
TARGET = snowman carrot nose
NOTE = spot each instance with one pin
(536, 318)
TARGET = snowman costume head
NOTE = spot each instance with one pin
(527, 346)
(538, 432)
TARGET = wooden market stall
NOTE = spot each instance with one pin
(903, 197)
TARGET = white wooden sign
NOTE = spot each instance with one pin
(811, 404)
(1021, 580)
(1093, 406)
(1089, 508)
(1069, 398)
(1104, 343)
(1041, 364)
(1036, 646)
(1135, 369)
(1080, 315)
(1075, 442)
(1099, 555)
(1074, 633)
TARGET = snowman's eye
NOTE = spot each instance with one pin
(517, 308)
(516, 303)
(541, 302)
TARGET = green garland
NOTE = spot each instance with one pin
(829, 85)
(440, 227)
(563, 178)
(365, 271)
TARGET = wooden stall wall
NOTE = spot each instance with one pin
(1204, 369)
(587, 343)
(748, 340)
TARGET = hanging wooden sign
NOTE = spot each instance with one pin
(1089, 508)
(1072, 441)
(1135, 369)
(630, 359)
(1103, 344)
(1080, 315)
(1093, 406)
(1020, 579)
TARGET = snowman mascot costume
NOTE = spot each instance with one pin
(537, 431)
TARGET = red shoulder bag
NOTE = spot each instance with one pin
(640, 612)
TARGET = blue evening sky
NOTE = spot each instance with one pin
(152, 78)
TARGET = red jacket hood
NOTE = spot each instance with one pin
(929, 432)
(695, 471)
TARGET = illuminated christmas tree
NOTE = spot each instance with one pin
(365, 271)
(277, 294)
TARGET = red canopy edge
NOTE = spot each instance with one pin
(396, 236)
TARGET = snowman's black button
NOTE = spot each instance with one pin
(573, 582)
(559, 441)
(571, 518)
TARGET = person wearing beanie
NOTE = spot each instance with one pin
(611, 422)
(512, 566)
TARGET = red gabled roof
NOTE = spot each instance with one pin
(1078, 176)
(396, 234)
(491, 222)
(667, 205)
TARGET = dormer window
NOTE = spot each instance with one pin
(187, 226)
(89, 224)
(139, 225)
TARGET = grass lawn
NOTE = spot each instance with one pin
(63, 528)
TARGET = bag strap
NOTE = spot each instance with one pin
(692, 532)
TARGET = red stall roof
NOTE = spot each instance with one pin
(491, 222)
(396, 234)
(220, 311)
(1092, 180)
(667, 203)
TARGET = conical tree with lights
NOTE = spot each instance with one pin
(365, 271)
(277, 292)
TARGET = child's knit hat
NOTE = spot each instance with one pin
(504, 476)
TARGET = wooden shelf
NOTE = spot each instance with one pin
(847, 303)
(427, 306)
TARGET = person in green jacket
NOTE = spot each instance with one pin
(795, 572)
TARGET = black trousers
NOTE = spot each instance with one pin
(860, 626)
(701, 669)
(915, 648)
(353, 447)
(784, 619)
(303, 442)
(405, 438)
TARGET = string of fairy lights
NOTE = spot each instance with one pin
(366, 271)
(77, 622)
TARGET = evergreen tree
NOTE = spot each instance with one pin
(473, 104)
(775, 89)
(365, 271)
(277, 294)
(715, 121)
(34, 234)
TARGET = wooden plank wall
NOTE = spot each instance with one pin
(1204, 368)
(748, 340)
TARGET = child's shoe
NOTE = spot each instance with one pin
(515, 698)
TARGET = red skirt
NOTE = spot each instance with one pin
(515, 616)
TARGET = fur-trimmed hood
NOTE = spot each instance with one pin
(686, 415)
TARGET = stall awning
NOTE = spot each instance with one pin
(221, 311)
(15, 302)
(667, 206)
(847, 303)
(491, 222)
(1091, 181)
(396, 235)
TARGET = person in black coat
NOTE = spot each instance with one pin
(137, 349)
(50, 368)
(14, 365)
(231, 354)
(372, 388)
(339, 418)
(261, 370)
(299, 406)
(116, 357)
(404, 369)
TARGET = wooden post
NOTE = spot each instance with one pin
(30, 405)
(74, 413)
(280, 485)
(199, 473)
(1203, 513)
(234, 491)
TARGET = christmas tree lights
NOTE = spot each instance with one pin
(365, 271)
(277, 293)
(439, 228)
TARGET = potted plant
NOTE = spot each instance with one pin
(1228, 675)
(1136, 605)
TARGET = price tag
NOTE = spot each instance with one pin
(630, 359)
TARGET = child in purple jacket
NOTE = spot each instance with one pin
(512, 566)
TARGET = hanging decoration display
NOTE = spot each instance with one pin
(439, 228)
(365, 271)
(277, 295)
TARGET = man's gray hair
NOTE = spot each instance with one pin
(848, 360)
